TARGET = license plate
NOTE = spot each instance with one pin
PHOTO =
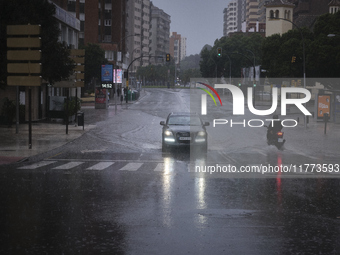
(280, 140)
(185, 138)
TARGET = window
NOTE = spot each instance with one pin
(107, 22)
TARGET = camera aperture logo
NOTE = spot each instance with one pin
(204, 97)
(238, 104)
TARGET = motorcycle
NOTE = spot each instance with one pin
(275, 138)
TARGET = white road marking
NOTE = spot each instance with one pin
(159, 167)
(68, 165)
(37, 165)
(100, 166)
(131, 167)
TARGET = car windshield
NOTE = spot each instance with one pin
(184, 120)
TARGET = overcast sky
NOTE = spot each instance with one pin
(200, 21)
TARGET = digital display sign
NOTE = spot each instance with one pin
(107, 85)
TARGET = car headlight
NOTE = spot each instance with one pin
(167, 133)
(201, 133)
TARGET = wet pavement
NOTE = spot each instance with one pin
(113, 191)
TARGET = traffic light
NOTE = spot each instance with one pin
(219, 52)
(254, 85)
(167, 57)
(239, 84)
(293, 59)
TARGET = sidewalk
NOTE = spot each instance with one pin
(46, 136)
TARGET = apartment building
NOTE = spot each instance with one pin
(159, 34)
(230, 18)
(138, 22)
(175, 47)
(183, 48)
(101, 22)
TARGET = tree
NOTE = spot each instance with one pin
(325, 51)
(186, 75)
(94, 58)
(56, 64)
(278, 51)
(238, 49)
(322, 53)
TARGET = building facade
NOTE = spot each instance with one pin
(138, 26)
(234, 16)
(159, 34)
(252, 16)
(101, 22)
(175, 47)
(277, 13)
(183, 48)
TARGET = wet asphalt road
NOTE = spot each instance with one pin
(113, 192)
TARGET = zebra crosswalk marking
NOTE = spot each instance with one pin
(131, 167)
(37, 165)
(100, 166)
(159, 167)
(68, 165)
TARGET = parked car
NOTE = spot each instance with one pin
(182, 129)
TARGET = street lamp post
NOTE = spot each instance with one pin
(229, 69)
(253, 63)
(254, 76)
(303, 55)
(114, 67)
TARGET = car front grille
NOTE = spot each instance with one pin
(183, 134)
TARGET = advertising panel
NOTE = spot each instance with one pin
(107, 76)
(324, 105)
(118, 76)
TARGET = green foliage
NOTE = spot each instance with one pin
(321, 51)
(94, 58)
(191, 62)
(74, 105)
(155, 72)
(189, 73)
(237, 50)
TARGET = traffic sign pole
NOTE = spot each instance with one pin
(25, 69)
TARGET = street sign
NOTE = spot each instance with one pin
(80, 76)
(24, 55)
(79, 84)
(78, 60)
(24, 68)
(79, 68)
(78, 56)
(29, 42)
(24, 80)
(23, 30)
(77, 52)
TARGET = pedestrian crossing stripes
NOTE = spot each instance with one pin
(37, 165)
(94, 166)
(100, 166)
(146, 166)
(68, 165)
(131, 167)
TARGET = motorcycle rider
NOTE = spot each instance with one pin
(274, 127)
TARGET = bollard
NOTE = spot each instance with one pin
(325, 119)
